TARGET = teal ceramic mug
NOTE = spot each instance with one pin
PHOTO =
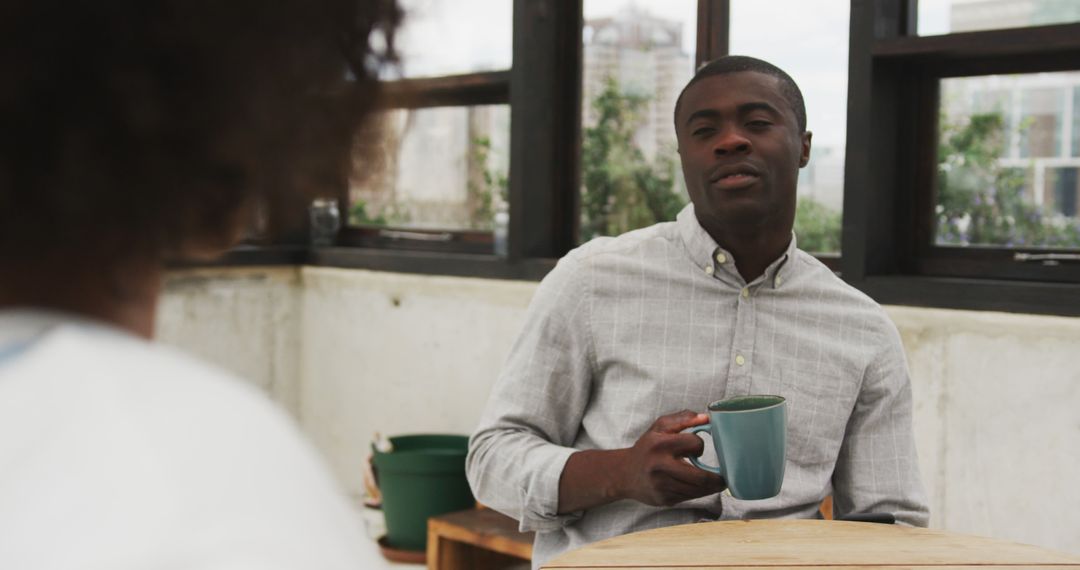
(749, 434)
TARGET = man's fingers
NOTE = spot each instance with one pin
(678, 470)
(678, 491)
(698, 478)
(680, 484)
(684, 445)
(674, 423)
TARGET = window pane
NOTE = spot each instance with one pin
(637, 58)
(441, 168)
(810, 43)
(1006, 174)
(948, 16)
(443, 37)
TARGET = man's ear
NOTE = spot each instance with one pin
(804, 157)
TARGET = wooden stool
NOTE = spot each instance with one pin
(477, 538)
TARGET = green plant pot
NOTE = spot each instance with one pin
(424, 476)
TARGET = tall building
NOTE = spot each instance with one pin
(822, 179)
(645, 55)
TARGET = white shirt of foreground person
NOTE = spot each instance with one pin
(117, 453)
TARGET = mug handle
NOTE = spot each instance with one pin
(696, 430)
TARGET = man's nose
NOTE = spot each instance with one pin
(731, 141)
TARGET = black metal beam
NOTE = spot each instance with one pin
(489, 88)
(545, 137)
(713, 30)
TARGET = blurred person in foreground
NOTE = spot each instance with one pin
(131, 133)
(629, 338)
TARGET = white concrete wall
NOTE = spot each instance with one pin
(997, 416)
(245, 320)
(399, 354)
(997, 396)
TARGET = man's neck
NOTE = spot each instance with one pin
(125, 296)
(754, 249)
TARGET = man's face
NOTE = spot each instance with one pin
(741, 152)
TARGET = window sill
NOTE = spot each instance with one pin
(431, 263)
(941, 292)
(399, 261)
(248, 255)
(1040, 298)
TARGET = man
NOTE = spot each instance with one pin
(134, 132)
(582, 440)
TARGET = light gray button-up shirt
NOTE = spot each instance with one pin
(627, 329)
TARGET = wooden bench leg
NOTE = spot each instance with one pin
(446, 554)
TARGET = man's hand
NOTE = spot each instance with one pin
(652, 471)
(655, 472)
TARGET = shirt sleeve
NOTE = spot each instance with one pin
(517, 455)
(877, 469)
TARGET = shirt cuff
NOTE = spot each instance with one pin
(541, 493)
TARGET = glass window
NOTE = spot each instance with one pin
(948, 16)
(441, 168)
(637, 58)
(1004, 176)
(810, 43)
(447, 38)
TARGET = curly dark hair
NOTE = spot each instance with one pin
(145, 127)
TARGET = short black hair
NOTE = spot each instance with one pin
(740, 63)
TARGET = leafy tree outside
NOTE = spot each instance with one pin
(358, 215)
(817, 226)
(622, 190)
(981, 202)
(488, 189)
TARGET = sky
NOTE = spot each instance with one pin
(442, 37)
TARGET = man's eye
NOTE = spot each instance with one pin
(759, 123)
(703, 131)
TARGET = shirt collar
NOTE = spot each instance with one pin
(706, 253)
(26, 324)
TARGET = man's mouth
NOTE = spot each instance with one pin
(734, 177)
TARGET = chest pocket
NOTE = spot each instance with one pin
(819, 406)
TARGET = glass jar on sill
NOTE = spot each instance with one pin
(325, 221)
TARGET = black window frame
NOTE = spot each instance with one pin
(893, 82)
(894, 77)
(543, 88)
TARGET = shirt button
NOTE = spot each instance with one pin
(709, 270)
(746, 292)
(779, 280)
(739, 359)
(721, 258)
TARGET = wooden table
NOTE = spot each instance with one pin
(807, 544)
